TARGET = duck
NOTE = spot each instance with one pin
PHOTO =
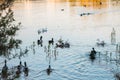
(26, 69)
(19, 67)
(49, 70)
(5, 70)
(67, 45)
(117, 76)
(44, 30)
(39, 32)
(40, 41)
(92, 54)
(62, 9)
(51, 41)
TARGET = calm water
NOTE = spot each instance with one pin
(81, 31)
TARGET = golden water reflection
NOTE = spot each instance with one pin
(84, 3)
(89, 3)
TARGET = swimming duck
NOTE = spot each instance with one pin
(5, 70)
(25, 69)
(49, 70)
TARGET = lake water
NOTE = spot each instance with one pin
(63, 20)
